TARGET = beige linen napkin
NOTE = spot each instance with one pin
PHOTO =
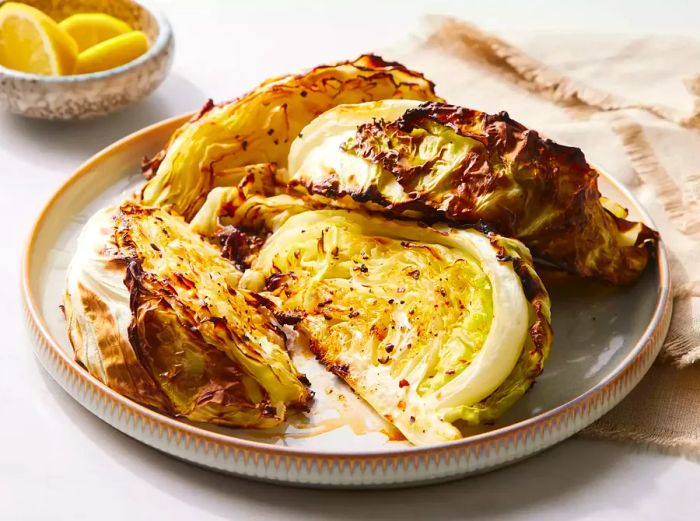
(633, 105)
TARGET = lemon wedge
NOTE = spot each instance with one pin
(88, 29)
(112, 53)
(30, 41)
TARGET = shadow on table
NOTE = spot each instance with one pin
(40, 141)
(568, 477)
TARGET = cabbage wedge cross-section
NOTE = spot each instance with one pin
(153, 311)
(443, 163)
(213, 148)
(430, 326)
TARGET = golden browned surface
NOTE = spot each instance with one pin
(259, 127)
(197, 347)
(466, 167)
(377, 299)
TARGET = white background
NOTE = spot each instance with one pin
(59, 462)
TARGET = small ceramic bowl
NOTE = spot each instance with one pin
(85, 96)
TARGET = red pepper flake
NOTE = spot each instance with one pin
(400, 290)
(450, 372)
(412, 419)
(404, 383)
(415, 274)
(389, 348)
(354, 313)
(244, 145)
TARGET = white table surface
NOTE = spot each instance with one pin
(59, 462)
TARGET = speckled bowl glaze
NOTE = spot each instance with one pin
(85, 96)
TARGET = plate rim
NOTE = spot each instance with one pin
(635, 357)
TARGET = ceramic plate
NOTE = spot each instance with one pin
(605, 340)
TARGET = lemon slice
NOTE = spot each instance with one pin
(88, 29)
(112, 53)
(32, 42)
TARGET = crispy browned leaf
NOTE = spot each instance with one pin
(464, 166)
(154, 312)
(260, 126)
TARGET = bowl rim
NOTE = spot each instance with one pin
(637, 358)
(165, 36)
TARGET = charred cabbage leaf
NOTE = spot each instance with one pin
(155, 315)
(213, 148)
(96, 305)
(429, 326)
(239, 221)
(440, 162)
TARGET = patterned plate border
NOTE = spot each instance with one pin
(406, 466)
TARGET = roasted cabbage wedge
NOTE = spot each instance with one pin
(214, 147)
(438, 162)
(430, 326)
(153, 311)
